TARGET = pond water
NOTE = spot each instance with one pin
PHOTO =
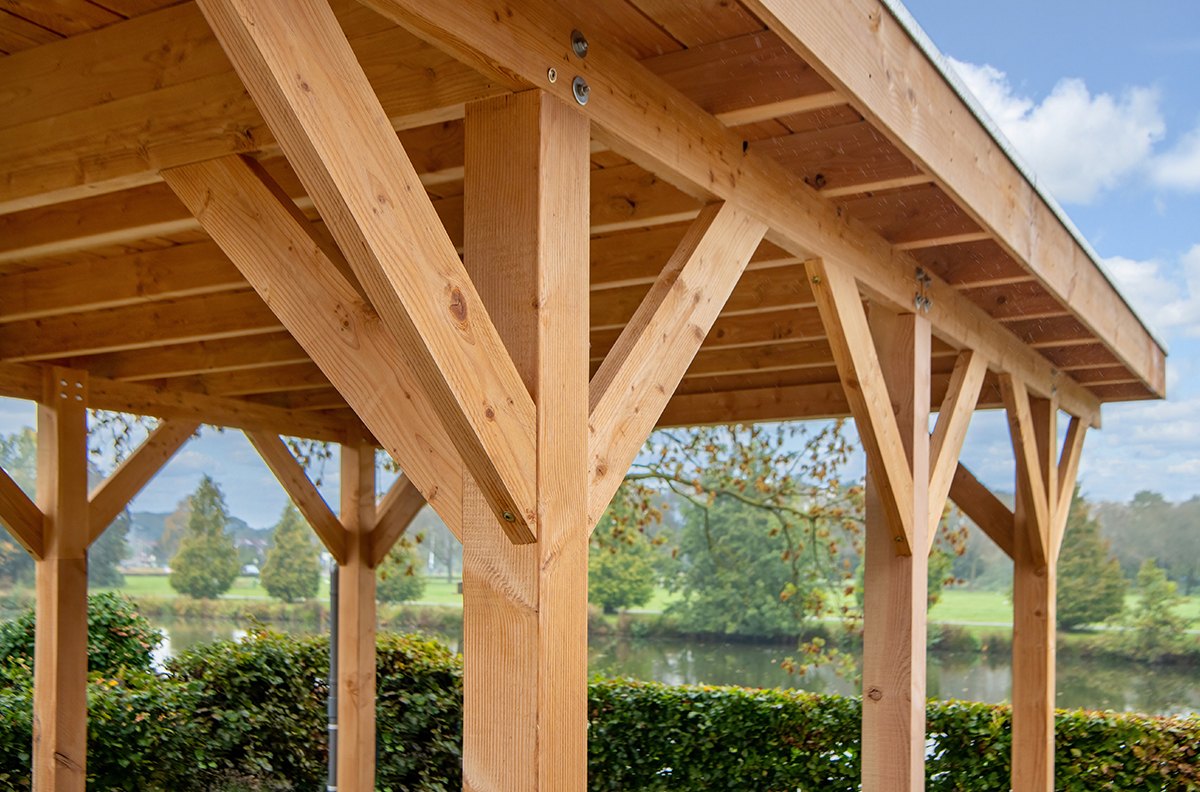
(1082, 683)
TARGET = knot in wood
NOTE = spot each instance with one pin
(458, 306)
(875, 694)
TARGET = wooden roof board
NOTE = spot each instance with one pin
(768, 329)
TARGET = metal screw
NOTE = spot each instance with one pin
(552, 75)
(817, 279)
(579, 44)
(509, 517)
(580, 87)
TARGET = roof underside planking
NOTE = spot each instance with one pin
(102, 268)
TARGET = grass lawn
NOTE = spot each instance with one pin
(993, 606)
(244, 587)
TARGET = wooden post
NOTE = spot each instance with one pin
(1035, 561)
(525, 619)
(893, 742)
(60, 651)
(356, 622)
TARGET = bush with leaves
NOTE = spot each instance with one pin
(1154, 630)
(620, 572)
(207, 562)
(292, 571)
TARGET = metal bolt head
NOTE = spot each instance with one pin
(552, 75)
(509, 517)
(579, 44)
(817, 279)
(580, 88)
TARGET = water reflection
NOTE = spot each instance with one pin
(1082, 683)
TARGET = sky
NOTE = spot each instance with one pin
(1102, 101)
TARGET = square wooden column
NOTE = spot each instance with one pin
(356, 622)
(60, 650)
(893, 741)
(525, 620)
(1035, 562)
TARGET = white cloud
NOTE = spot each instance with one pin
(1168, 300)
(1179, 168)
(1076, 143)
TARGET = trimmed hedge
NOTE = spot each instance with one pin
(250, 716)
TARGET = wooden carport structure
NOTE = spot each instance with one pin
(379, 224)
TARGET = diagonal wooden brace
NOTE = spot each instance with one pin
(392, 518)
(21, 516)
(951, 429)
(113, 494)
(1031, 486)
(275, 247)
(636, 379)
(298, 67)
(858, 367)
(302, 492)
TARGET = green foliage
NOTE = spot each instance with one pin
(1091, 588)
(254, 712)
(940, 574)
(620, 572)
(399, 578)
(292, 571)
(207, 562)
(119, 638)
(1154, 630)
(106, 553)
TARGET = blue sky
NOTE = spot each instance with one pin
(1102, 99)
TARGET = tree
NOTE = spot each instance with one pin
(174, 529)
(105, 554)
(1155, 630)
(1091, 588)
(292, 570)
(398, 578)
(207, 562)
(621, 575)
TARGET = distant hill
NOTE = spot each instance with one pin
(148, 527)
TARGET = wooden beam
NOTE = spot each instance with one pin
(951, 429)
(394, 514)
(333, 128)
(1030, 483)
(275, 248)
(181, 271)
(784, 107)
(895, 583)
(641, 117)
(21, 516)
(634, 383)
(985, 509)
(859, 368)
(60, 645)
(72, 130)
(948, 141)
(112, 495)
(356, 622)
(300, 489)
(1068, 470)
(195, 357)
(525, 679)
(21, 381)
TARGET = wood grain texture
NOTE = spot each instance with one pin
(295, 482)
(862, 377)
(1068, 471)
(525, 617)
(634, 383)
(862, 50)
(641, 117)
(356, 621)
(60, 645)
(276, 250)
(111, 496)
(954, 417)
(393, 516)
(1030, 482)
(985, 509)
(894, 583)
(80, 108)
(300, 69)
(21, 516)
